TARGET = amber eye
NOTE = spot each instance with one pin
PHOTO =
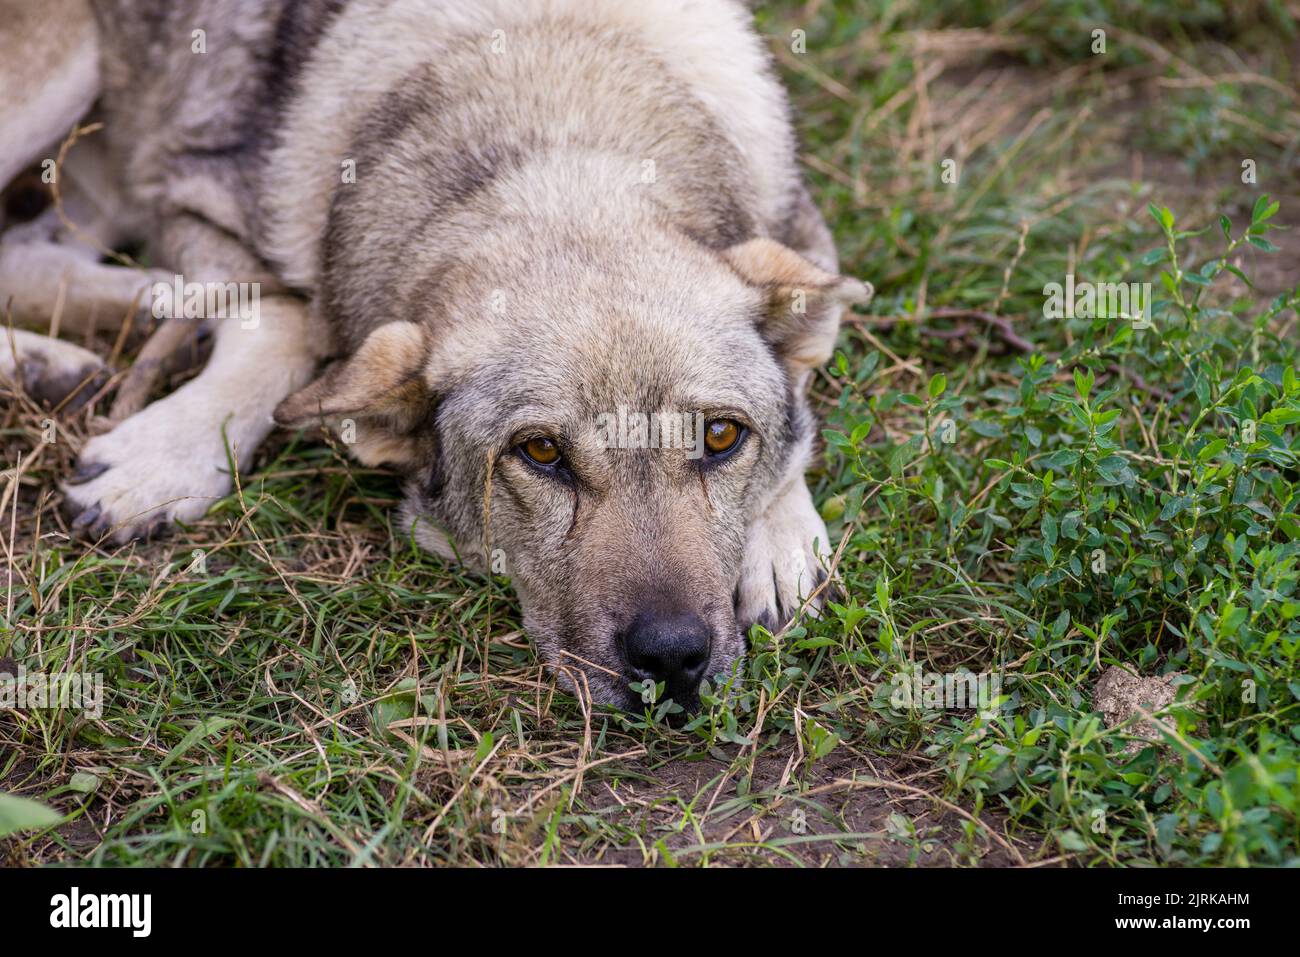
(541, 450)
(721, 435)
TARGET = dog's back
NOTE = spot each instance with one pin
(275, 120)
(462, 91)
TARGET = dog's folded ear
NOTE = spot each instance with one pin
(804, 301)
(381, 386)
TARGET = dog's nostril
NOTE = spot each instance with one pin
(694, 662)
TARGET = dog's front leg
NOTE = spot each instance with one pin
(786, 552)
(169, 461)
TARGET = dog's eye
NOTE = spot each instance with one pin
(722, 435)
(541, 450)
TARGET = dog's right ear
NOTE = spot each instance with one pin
(382, 386)
(804, 301)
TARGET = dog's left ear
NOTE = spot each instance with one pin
(804, 301)
(381, 387)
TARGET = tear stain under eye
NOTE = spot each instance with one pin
(513, 494)
(573, 524)
(487, 509)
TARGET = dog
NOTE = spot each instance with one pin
(484, 235)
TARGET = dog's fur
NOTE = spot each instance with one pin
(560, 207)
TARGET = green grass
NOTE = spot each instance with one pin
(319, 693)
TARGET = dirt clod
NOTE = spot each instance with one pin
(1120, 694)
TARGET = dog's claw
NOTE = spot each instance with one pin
(833, 592)
(87, 518)
(84, 473)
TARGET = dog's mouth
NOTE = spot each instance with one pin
(638, 689)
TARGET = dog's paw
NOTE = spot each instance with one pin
(786, 554)
(51, 371)
(156, 467)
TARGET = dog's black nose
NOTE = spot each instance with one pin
(672, 648)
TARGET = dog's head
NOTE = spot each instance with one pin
(603, 428)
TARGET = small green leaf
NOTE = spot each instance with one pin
(1211, 450)
(1162, 215)
(833, 508)
(1083, 381)
(1173, 507)
(84, 782)
(1240, 275)
(1071, 841)
(1062, 622)
(1263, 210)
(23, 814)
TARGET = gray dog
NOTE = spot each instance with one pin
(557, 255)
